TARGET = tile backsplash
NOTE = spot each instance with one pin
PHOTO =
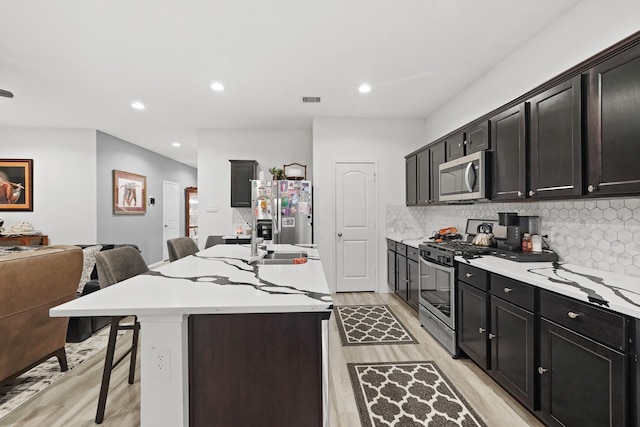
(599, 233)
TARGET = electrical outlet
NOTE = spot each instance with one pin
(161, 362)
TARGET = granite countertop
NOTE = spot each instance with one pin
(614, 291)
(216, 280)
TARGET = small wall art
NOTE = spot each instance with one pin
(129, 193)
(16, 185)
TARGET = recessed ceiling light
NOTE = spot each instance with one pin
(137, 105)
(176, 144)
(217, 86)
(364, 88)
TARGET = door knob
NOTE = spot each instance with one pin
(339, 234)
(165, 226)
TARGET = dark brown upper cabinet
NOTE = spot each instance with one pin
(411, 170)
(455, 146)
(508, 153)
(474, 138)
(613, 139)
(424, 177)
(555, 167)
(242, 172)
(437, 157)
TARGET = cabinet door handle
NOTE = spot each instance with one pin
(592, 188)
(519, 193)
(573, 315)
(532, 193)
(542, 370)
(481, 330)
(470, 275)
(492, 336)
(507, 290)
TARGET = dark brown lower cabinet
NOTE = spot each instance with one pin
(583, 383)
(414, 276)
(512, 350)
(391, 270)
(472, 324)
(402, 285)
(256, 369)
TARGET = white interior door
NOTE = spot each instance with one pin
(355, 227)
(170, 214)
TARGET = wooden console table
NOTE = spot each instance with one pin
(40, 240)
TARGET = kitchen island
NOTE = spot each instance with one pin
(226, 340)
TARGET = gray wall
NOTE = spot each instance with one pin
(142, 230)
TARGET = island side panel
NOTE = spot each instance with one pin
(248, 367)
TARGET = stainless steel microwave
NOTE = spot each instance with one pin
(464, 178)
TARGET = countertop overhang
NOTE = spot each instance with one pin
(216, 280)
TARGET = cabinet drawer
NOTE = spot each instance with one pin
(413, 253)
(473, 276)
(593, 322)
(401, 248)
(391, 244)
(515, 292)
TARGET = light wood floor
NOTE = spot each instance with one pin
(72, 400)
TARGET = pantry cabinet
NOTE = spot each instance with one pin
(614, 129)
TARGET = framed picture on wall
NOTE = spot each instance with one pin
(16, 184)
(129, 193)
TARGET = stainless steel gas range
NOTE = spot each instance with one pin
(437, 284)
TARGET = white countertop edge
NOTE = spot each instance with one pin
(518, 272)
(61, 311)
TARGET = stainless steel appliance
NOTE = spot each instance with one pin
(464, 178)
(437, 288)
(516, 226)
(283, 210)
(510, 243)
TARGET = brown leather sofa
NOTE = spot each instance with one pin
(30, 284)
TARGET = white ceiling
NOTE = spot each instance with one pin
(80, 63)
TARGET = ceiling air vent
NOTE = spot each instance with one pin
(310, 99)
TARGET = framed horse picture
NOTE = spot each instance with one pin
(16, 184)
(129, 193)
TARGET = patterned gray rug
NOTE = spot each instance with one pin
(404, 394)
(370, 324)
(42, 376)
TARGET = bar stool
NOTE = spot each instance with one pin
(115, 266)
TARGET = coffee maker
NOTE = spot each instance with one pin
(516, 227)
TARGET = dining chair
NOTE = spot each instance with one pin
(181, 247)
(115, 266)
(213, 240)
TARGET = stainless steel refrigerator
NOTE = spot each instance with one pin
(294, 214)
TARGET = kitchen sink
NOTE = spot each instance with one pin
(282, 258)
